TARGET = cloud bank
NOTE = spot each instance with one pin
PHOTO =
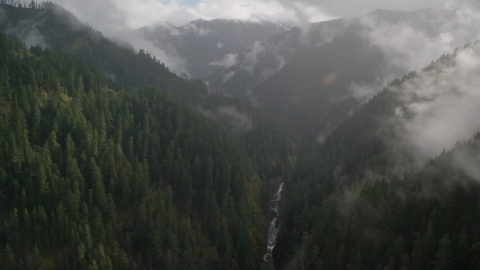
(118, 18)
(237, 122)
(412, 41)
(439, 106)
(228, 61)
(138, 13)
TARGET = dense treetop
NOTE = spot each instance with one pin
(96, 176)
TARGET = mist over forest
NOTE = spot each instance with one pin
(240, 134)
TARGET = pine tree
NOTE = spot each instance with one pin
(444, 254)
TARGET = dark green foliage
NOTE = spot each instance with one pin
(95, 176)
(424, 221)
(266, 143)
(57, 28)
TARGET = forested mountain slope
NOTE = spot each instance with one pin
(371, 199)
(312, 77)
(96, 176)
(264, 59)
(311, 93)
(50, 25)
(415, 29)
(423, 220)
(110, 161)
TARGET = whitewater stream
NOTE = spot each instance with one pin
(273, 229)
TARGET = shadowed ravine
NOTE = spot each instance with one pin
(273, 229)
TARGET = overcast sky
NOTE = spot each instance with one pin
(137, 13)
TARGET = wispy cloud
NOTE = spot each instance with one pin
(236, 121)
(118, 18)
(439, 107)
(228, 61)
(138, 13)
(411, 42)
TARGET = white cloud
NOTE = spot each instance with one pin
(354, 8)
(236, 121)
(439, 107)
(192, 28)
(412, 45)
(228, 61)
(117, 18)
(228, 75)
(138, 13)
(251, 57)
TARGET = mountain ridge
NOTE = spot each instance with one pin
(202, 42)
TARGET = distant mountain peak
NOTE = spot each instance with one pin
(388, 15)
(387, 11)
(253, 21)
(202, 42)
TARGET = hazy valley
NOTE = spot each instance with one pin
(274, 142)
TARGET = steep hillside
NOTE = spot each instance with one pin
(311, 93)
(265, 141)
(95, 176)
(370, 197)
(54, 27)
(311, 78)
(265, 58)
(409, 40)
(111, 161)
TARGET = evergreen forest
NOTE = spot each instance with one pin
(108, 160)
